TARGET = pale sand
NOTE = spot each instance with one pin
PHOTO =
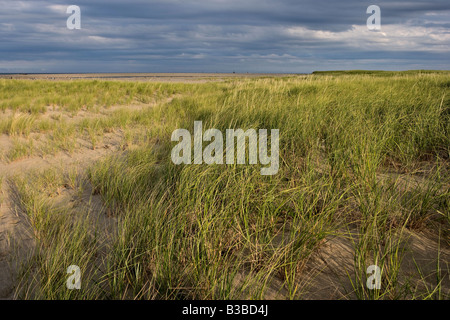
(155, 77)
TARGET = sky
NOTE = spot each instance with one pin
(256, 36)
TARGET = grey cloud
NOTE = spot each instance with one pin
(222, 36)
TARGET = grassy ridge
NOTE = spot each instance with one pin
(380, 72)
(352, 149)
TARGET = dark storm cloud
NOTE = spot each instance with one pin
(222, 36)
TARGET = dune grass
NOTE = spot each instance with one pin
(362, 152)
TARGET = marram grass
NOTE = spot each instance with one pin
(348, 143)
